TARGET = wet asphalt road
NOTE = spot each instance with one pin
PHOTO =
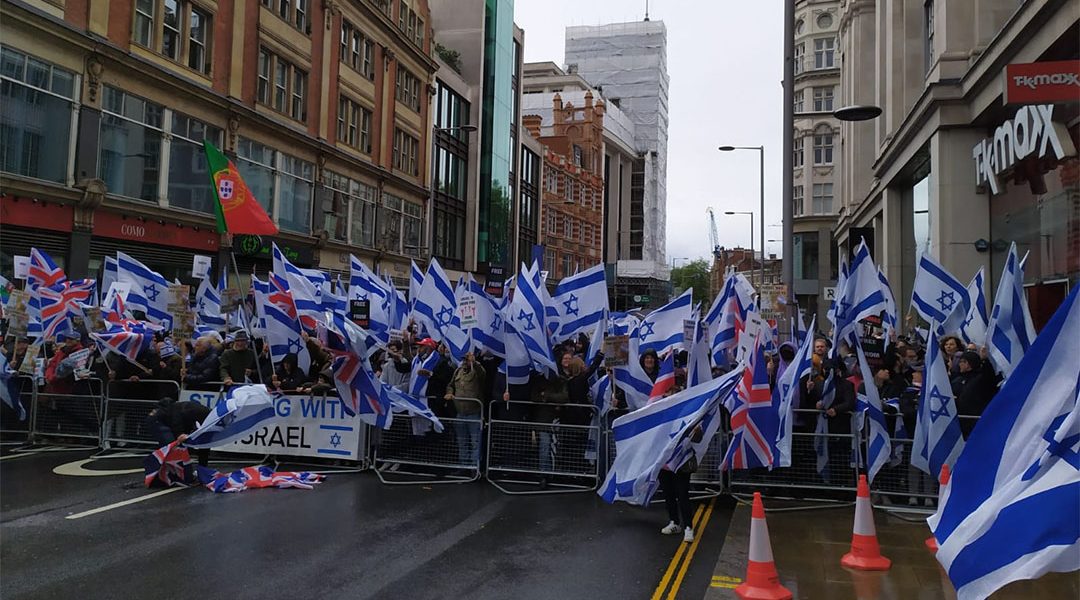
(351, 537)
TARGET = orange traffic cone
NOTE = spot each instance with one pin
(762, 582)
(865, 553)
(931, 542)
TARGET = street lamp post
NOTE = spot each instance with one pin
(435, 131)
(761, 174)
(751, 213)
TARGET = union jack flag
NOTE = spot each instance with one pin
(665, 379)
(257, 477)
(361, 392)
(60, 302)
(281, 297)
(43, 271)
(755, 420)
(128, 339)
(169, 465)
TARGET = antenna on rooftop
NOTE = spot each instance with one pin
(646, 10)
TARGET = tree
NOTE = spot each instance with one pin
(694, 274)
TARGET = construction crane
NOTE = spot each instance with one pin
(714, 238)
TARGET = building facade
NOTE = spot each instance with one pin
(965, 158)
(480, 37)
(815, 142)
(627, 64)
(572, 208)
(324, 107)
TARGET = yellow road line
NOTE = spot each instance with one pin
(675, 559)
(699, 533)
(102, 509)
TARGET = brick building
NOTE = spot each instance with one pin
(573, 186)
(324, 106)
(742, 261)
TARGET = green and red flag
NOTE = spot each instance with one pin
(237, 209)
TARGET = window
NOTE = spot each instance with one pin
(571, 190)
(529, 198)
(130, 144)
(257, 164)
(799, 27)
(418, 37)
(293, 12)
(578, 155)
(823, 99)
(181, 32)
(824, 21)
(410, 24)
(38, 102)
(823, 148)
(188, 170)
(354, 125)
(406, 150)
(297, 184)
(407, 88)
(823, 53)
(799, 95)
(567, 265)
(800, 57)
(928, 39)
(358, 202)
(797, 159)
(797, 200)
(289, 92)
(823, 196)
(551, 181)
(402, 225)
(549, 258)
(805, 248)
(357, 50)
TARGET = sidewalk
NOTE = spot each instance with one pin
(807, 546)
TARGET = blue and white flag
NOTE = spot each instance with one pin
(580, 301)
(838, 293)
(527, 314)
(938, 440)
(208, 303)
(937, 293)
(600, 391)
(281, 324)
(306, 291)
(416, 279)
(418, 382)
(890, 319)
(821, 427)
(659, 434)
(1010, 331)
(869, 413)
(973, 328)
(243, 410)
(488, 333)
(364, 284)
(662, 329)
(435, 307)
(787, 390)
(699, 367)
(1010, 509)
(596, 341)
(862, 297)
(149, 290)
(108, 275)
(727, 317)
(417, 407)
(11, 388)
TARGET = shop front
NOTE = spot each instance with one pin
(34, 222)
(166, 247)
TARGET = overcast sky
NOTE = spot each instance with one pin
(725, 61)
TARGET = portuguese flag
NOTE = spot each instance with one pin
(237, 209)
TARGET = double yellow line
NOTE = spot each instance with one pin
(680, 563)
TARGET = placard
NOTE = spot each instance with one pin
(496, 280)
(230, 300)
(29, 363)
(116, 288)
(81, 363)
(179, 295)
(616, 351)
(466, 311)
(360, 312)
(183, 326)
(200, 266)
(22, 267)
(689, 327)
(748, 337)
(92, 318)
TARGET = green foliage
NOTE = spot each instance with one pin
(452, 58)
(694, 274)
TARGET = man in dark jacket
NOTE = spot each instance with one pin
(238, 364)
(437, 381)
(204, 364)
(973, 387)
(172, 420)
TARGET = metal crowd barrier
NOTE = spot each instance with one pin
(75, 416)
(541, 456)
(127, 406)
(837, 478)
(404, 455)
(13, 430)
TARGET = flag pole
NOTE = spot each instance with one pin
(245, 323)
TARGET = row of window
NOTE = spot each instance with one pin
(571, 190)
(407, 88)
(357, 50)
(354, 124)
(358, 218)
(411, 24)
(821, 201)
(572, 229)
(824, 55)
(176, 29)
(282, 85)
(406, 151)
(823, 149)
(562, 264)
(823, 99)
(293, 12)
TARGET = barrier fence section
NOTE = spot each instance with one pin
(128, 405)
(23, 391)
(72, 415)
(412, 452)
(540, 447)
(821, 463)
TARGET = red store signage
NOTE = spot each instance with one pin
(38, 214)
(1043, 82)
(112, 225)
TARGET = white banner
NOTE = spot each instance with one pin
(304, 426)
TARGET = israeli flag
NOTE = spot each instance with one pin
(870, 414)
(699, 368)
(580, 302)
(526, 313)
(1010, 509)
(600, 391)
(659, 434)
(841, 285)
(149, 291)
(936, 293)
(787, 389)
(862, 297)
(973, 327)
(243, 410)
(305, 285)
(109, 274)
(1010, 330)
(416, 280)
(662, 329)
(436, 309)
(488, 333)
(208, 303)
(890, 319)
(281, 324)
(938, 440)
(727, 316)
(364, 284)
